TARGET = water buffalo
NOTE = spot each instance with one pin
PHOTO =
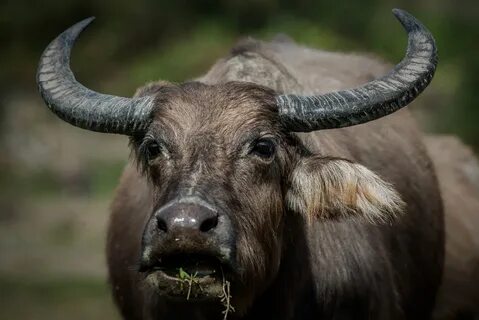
(240, 204)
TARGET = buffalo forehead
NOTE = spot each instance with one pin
(219, 113)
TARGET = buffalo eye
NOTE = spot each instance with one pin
(263, 148)
(153, 150)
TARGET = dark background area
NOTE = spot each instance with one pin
(56, 181)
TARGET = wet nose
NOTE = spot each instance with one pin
(186, 216)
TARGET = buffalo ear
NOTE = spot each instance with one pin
(331, 188)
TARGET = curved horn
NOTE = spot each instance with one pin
(373, 100)
(80, 106)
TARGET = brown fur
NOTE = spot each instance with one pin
(288, 268)
(458, 172)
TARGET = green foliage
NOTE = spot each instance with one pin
(188, 281)
(181, 60)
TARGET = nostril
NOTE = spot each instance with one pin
(209, 224)
(162, 225)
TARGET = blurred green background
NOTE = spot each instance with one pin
(56, 181)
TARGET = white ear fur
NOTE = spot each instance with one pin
(336, 188)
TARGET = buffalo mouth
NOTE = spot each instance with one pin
(180, 265)
(189, 276)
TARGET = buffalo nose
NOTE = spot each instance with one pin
(186, 216)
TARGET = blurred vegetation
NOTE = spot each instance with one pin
(59, 179)
(78, 299)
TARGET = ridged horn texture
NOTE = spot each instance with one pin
(80, 106)
(373, 100)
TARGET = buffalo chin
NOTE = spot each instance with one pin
(191, 277)
(190, 288)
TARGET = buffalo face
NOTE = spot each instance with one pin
(214, 156)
